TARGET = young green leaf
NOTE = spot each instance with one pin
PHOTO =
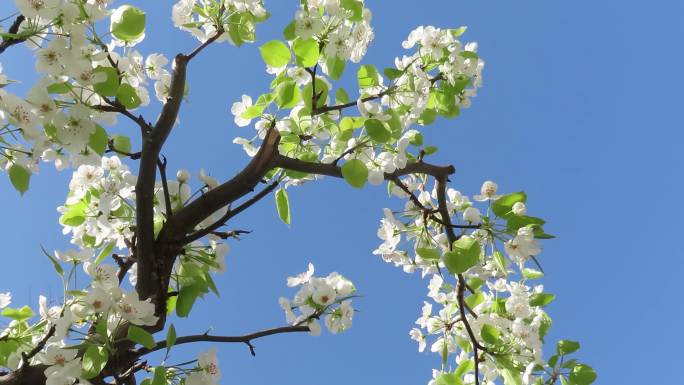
(110, 85)
(94, 360)
(98, 140)
(140, 336)
(377, 130)
(490, 334)
(464, 254)
(582, 374)
(159, 377)
(127, 23)
(283, 205)
(541, 299)
(306, 52)
(368, 76)
(566, 347)
(170, 338)
(275, 53)
(335, 67)
(121, 143)
(287, 94)
(355, 173)
(502, 207)
(20, 177)
(127, 95)
(55, 262)
(186, 299)
(428, 253)
(21, 314)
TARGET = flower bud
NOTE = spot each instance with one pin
(472, 215)
(519, 208)
(182, 176)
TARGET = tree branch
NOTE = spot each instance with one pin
(245, 339)
(13, 29)
(229, 214)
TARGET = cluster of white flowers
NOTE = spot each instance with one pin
(329, 296)
(509, 310)
(203, 18)
(100, 205)
(61, 117)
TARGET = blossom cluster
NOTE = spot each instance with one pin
(438, 78)
(505, 315)
(330, 297)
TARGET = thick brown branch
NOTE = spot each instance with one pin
(229, 214)
(336, 171)
(148, 263)
(186, 219)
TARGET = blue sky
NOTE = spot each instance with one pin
(580, 108)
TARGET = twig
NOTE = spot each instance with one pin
(13, 29)
(161, 164)
(245, 339)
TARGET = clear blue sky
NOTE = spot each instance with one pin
(581, 108)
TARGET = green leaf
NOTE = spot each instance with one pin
(127, 23)
(464, 367)
(448, 379)
(275, 53)
(186, 299)
(121, 143)
(59, 88)
(335, 67)
(511, 376)
(94, 360)
(367, 76)
(503, 206)
(289, 31)
(392, 73)
(355, 173)
(517, 221)
(21, 314)
(283, 205)
(428, 253)
(541, 299)
(55, 262)
(427, 117)
(127, 95)
(566, 347)
(342, 97)
(98, 140)
(20, 177)
(456, 32)
(75, 215)
(490, 334)
(417, 139)
(140, 336)
(159, 376)
(500, 261)
(170, 337)
(287, 94)
(110, 85)
(306, 52)
(582, 374)
(464, 254)
(532, 273)
(377, 130)
(104, 252)
(474, 300)
(356, 8)
(468, 55)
